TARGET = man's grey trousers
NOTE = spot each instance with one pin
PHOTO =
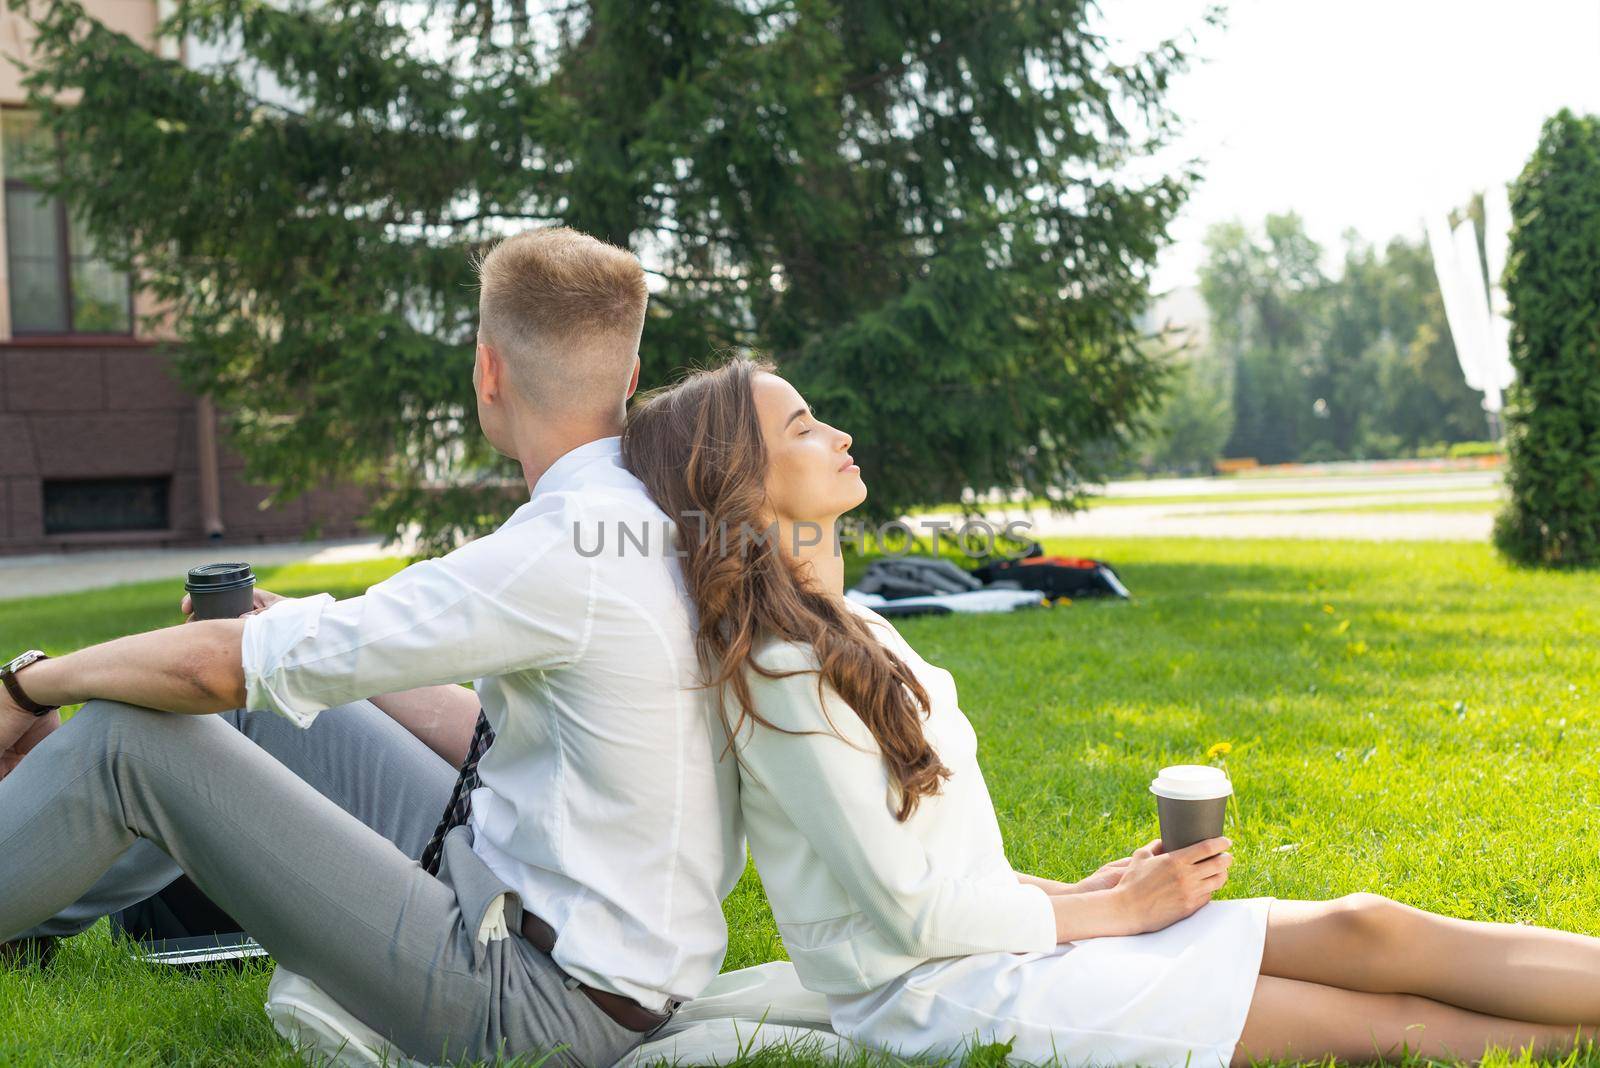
(308, 838)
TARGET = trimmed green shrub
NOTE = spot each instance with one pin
(1466, 450)
(1552, 283)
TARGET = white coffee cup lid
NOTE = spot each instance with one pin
(1191, 782)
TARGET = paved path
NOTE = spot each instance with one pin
(1157, 522)
(1320, 484)
(44, 574)
(1285, 517)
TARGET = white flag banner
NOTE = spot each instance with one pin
(1475, 305)
(1496, 248)
(1455, 307)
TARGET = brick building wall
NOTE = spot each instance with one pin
(113, 411)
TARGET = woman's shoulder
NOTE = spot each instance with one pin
(777, 653)
(870, 617)
(799, 699)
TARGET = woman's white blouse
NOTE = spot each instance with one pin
(858, 896)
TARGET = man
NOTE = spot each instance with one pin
(579, 898)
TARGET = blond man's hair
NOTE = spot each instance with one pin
(565, 311)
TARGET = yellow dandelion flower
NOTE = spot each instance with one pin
(1219, 749)
(1328, 608)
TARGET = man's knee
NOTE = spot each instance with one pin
(119, 727)
(104, 716)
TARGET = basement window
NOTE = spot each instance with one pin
(99, 505)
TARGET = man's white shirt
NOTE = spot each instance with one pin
(603, 803)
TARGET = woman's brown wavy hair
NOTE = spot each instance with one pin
(697, 447)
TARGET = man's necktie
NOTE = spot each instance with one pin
(460, 806)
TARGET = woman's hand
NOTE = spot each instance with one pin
(260, 601)
(1157, 889)
(1105, 877)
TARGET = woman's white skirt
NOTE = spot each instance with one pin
(1177, 996)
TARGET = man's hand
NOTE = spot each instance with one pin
(260, 601)
(20, 731)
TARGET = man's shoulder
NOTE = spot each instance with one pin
(604, 532)
(597, 500)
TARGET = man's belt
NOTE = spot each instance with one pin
(626, 1011)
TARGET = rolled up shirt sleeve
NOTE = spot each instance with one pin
(835, 788)
(514, 600)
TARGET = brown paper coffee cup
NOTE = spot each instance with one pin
(1191, 801)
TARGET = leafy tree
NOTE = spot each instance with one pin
(1359, 364)
(1191, 427)
(1423, 397)
(918, 210)
(1266, 301)
(1345, 366)
(1553, 410)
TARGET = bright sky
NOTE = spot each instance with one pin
(1361, 113)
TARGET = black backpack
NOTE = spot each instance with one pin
(1055, 576)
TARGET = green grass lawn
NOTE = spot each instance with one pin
(1414, 719)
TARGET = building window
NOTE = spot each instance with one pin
(58, 284)
(92, 505)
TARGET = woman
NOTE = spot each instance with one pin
(877, 843)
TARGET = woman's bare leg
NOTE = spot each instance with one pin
(1369, 943)
(1294, 1020)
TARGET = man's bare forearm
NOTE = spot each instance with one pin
(441, 717)
(194, 668)
(197, 668)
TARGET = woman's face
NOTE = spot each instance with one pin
(810, 474)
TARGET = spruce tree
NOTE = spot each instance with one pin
(925, 212)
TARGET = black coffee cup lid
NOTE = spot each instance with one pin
(215, 577)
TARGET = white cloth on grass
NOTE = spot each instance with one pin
(970, 601)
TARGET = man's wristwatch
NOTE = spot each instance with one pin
(8, 676)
